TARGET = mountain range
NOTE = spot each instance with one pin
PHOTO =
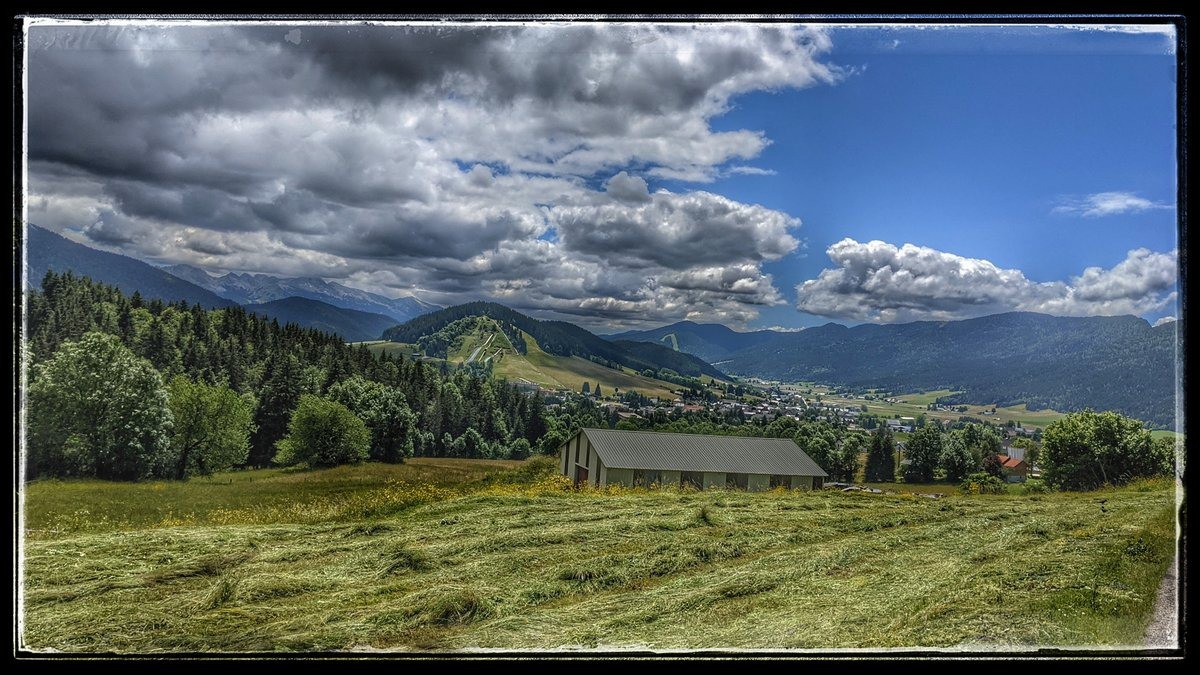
(1067, 363)
(309, 302)
(245, 288)
(351, 324)
(710, 341)
(46, 250)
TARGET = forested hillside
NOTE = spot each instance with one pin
(556, 337)
(437, 413)
(352, 325)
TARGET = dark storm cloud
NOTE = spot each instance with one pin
(362, 153)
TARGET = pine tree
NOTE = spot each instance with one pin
(278, 398)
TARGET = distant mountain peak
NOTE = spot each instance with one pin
(257, 288)
(46, 249)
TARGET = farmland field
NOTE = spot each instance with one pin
(390, 348)
(536, 365)
(913, 404)
(449, 554)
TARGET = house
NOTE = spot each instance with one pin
(1014, 470)
(601, 457)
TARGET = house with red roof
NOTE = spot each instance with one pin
(1013, 469)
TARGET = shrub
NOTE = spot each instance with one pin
(982, 483)
(323, 433)
(1036, 487)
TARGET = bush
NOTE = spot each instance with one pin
(982, 483)
(1036, 487)
(519, 449)
(323, 433)
(1086, 450)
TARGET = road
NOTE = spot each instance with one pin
(1163, 628)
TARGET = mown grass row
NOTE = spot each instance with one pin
(528, 566)
(54, 508)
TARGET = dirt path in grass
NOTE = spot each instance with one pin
(1162, 629)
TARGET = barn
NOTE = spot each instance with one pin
(599, 457)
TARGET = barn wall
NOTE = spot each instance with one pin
(802, 482)
(670, 478)
(619, 477)
(758, 482)
(588, 454)
(714, 481)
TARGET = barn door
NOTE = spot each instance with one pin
(581, 475)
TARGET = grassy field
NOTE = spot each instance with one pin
(913, 404)
(549, 370)
(392, 348)
(448, 554)
(539, 367)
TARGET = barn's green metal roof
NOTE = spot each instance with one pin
(661, 451)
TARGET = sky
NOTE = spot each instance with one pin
(628, 176)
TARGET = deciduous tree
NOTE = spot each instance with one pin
(1086, 450)
(323, 433)
(97, 409)
(212, 427)
(923, 450)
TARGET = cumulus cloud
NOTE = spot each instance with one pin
(677, 231)
(878, 281)
(1107, 204)
(424, 159)
(1162, 321)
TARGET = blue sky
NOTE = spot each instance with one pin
(965, 140)
(627, 176)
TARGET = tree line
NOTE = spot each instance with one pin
(124, 388)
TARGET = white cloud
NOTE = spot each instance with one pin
(1107, 204)
(1165, 320)
(752, 171)
(878, 281)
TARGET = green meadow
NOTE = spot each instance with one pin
(457, 554)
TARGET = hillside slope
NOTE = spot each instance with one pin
(558, 338)
(351, 325)
(711, 342)
(481, 342)
(427, 555)
(46, 250)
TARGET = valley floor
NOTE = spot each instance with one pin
(501, 559)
